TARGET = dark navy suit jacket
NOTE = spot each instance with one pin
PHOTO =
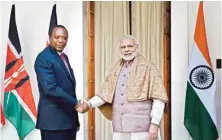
(56, 108)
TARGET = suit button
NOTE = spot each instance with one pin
(122, 113)
(122, 84)
(122, 94)
(124, 75)
(121, 103)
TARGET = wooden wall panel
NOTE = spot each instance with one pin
(90, 67)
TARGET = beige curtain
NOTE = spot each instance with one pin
(111, 22)
(148, 27)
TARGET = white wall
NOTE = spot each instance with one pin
(33, 23)
(183, 21)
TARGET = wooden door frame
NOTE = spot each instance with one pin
(167, 70)
(91, 68)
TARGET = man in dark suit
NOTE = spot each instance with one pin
(57, 117)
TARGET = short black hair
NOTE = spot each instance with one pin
(57, 26)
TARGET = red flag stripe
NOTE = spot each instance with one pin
(16, 68)
(25, 92)
(10, 55)
(2, 117)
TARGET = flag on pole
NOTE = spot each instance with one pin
(200, 114)
(53, 21)
(19, 105)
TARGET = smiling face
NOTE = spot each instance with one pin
(128, 49)
(58, 39)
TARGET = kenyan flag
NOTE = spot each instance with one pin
(19, 105)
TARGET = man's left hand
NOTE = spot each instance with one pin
(153, 131)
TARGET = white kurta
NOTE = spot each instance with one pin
(156, 115)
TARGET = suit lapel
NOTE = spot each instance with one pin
(61, 63)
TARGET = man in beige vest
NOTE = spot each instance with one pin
(132, 96)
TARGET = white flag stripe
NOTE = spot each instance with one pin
(12, 47)
(8, 81)
(207, 95)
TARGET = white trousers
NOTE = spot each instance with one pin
(133, 136)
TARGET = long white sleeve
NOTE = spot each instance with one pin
(96, 101)
(157, 111)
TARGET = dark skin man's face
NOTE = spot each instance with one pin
(58, 39)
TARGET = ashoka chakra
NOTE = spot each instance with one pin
(201, 77)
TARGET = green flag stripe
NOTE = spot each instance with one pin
(197, 120)
(16, 114)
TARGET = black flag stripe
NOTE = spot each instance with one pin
(13, 32)
(53, 20)
(22, 81)
(10, 65)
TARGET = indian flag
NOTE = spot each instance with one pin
(200, 114)
(19, 106)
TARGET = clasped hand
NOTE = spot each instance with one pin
(83, 106)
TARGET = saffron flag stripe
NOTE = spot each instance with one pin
(200, 36)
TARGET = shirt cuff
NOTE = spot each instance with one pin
(155, 121)
(96, 101)
(157, 111)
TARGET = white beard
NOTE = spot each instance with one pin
(130, 57)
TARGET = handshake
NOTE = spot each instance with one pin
(83, 106)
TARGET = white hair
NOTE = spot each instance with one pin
(130, 37)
